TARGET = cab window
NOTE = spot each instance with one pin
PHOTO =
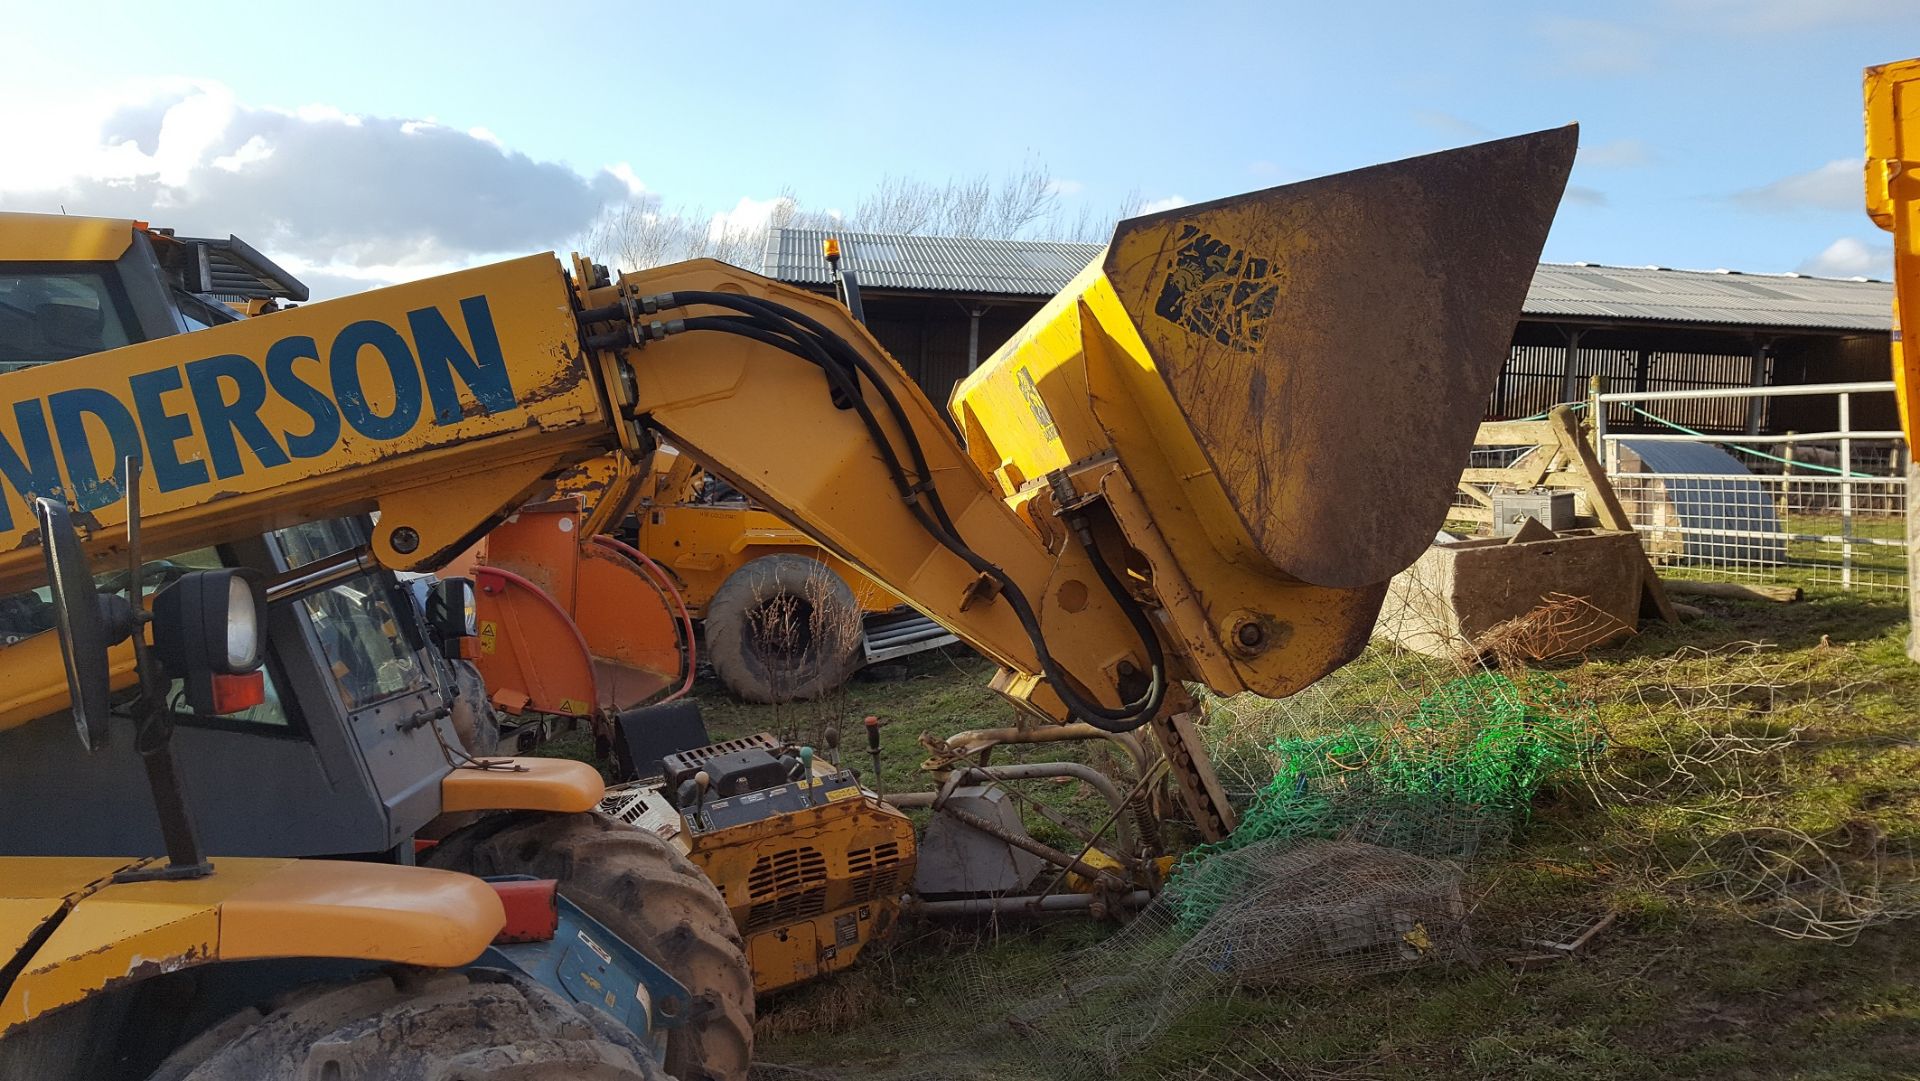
(57, 312)
(356, 621)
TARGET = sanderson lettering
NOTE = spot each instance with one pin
(222, 398)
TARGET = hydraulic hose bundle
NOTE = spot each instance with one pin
(793, 332)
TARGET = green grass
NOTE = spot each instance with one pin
(1688, 983)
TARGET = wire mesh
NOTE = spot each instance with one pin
(1367, 800)
(1821, 530)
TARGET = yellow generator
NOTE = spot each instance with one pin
(811, 864)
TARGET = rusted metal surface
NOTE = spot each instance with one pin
(1331, 347)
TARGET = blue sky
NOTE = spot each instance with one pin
(376, 142)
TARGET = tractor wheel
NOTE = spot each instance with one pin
(644, 890)
(474, 719)
(783, 628)
(468, 1025)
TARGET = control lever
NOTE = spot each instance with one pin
(873, 751)
(694, 791)
(806, 775)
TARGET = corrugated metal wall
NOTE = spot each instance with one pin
(1535, 381)
(927, 334)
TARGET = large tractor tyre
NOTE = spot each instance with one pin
(471, 1025)
(644, 890)
(473, 716)
(783, 628)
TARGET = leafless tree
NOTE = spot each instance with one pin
(1023, 204)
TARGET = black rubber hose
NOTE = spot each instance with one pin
(1129, 716)
(795, 333)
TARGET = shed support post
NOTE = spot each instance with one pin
(1756, 407)
(973, 335)
(1569, 376)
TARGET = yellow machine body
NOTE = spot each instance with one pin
(420, 400)
(1893, 202)
(109, 933)
(704, 544)
(813, 873)
(812, 888)
(701, 543)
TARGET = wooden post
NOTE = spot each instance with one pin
(1786, 473)
(1606, 504)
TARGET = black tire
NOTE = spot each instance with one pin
(468, 1025)
(783, 628)
(473, 717)
(644, 890)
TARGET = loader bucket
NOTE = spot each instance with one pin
(1332, 343)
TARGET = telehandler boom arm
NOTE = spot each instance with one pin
(1202, 461)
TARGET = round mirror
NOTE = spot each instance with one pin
(76, 619)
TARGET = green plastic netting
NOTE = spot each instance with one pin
(1454, 773)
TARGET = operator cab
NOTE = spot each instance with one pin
(349, 671)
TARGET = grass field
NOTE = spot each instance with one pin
(1766, 788)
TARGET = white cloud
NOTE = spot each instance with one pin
(749, 215)
(251, 151)
(1615, 154)
(625, 174)
(1837, 185)
(1851, 257)
(1171, 202)
(1585, 196)
(1063, 186)
(350, 197)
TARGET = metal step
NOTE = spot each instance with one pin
(899, 633)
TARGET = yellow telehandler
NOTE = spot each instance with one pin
(1893, 202)
(1200, 463)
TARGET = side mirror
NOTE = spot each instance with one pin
(452, 613)
(88, 623)
(207, 631)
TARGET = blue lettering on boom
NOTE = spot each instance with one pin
(222, 419)
(343, 363)
(91, 490)
(30, 469)
(484, 371)
(228, 392)
(304, 396)
(165, 430)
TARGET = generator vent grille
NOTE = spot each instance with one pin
(786, 886)
(875, 871)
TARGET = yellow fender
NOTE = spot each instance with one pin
(99, 934)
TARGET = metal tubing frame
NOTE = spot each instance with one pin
(1801, 390)
(1031, 771)
(1056, 902)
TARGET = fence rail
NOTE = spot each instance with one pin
(1825, 507)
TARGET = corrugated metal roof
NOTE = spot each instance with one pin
(1037, 268)
(1660, 295)
(943, 264)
